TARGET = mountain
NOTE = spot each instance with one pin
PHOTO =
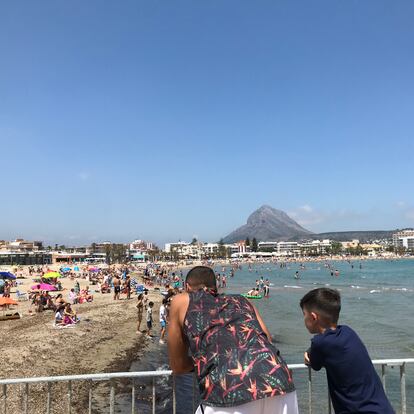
(268, 224)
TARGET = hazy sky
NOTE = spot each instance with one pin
(168, 119)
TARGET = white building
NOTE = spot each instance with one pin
(169, 247)
(315, 247)
(283, 248)
(404, 238)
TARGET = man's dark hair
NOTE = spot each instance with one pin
(201, 276)
(325, 301)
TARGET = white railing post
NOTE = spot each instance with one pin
(112, 398)
(310, 389)
(5, 398)
(133, 397)
(174, 401)
(25, 398)
(69, 397)
(403, 389)
(48, 399)
(153, 395)
(90, 393)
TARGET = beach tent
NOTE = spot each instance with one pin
(51, 275)
(7, 275)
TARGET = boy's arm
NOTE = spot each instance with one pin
(314, 356)
(180, 362)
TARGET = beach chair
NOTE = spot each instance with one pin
(21, 296)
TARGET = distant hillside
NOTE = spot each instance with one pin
(268, 224)
(362, 236)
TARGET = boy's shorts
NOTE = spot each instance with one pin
(279, 404)
(149, 324)
(163, 324)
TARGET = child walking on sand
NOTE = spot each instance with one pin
(354, 385)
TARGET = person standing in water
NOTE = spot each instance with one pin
(266, 288)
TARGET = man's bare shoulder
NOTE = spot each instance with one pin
(179, 301)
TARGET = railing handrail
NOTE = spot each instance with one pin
(160, 373)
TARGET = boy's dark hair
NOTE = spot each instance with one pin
(201, 276)
(150, 304)
(325, 301)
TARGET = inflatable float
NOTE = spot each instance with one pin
(252, 296)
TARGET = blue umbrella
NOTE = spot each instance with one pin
(7, 275)
(66, 269)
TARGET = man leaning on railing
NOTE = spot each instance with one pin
(231, 351)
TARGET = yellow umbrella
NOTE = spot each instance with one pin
(51, 275)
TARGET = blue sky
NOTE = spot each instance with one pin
(164, 120)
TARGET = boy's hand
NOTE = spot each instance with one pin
(307, 359)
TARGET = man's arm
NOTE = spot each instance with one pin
(180, 362)
(262, 324)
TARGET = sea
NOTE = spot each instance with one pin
(377, 302)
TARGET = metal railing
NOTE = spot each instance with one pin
(133, 376)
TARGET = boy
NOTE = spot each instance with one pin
(354, 385)
(149, 318)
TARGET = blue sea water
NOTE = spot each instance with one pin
(377, 302)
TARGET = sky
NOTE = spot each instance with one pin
(164, 120)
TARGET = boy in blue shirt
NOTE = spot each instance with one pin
(354, 385)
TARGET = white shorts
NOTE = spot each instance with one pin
(280, 404)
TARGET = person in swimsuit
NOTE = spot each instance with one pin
(140, 308)
(117, 287)
(232, 353)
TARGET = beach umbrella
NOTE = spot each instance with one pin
(51, 275)
(7, 301)
(4, 302)
(76, 268)
(93, 269)
(66, 269)
(7, 275)
(43, 286)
